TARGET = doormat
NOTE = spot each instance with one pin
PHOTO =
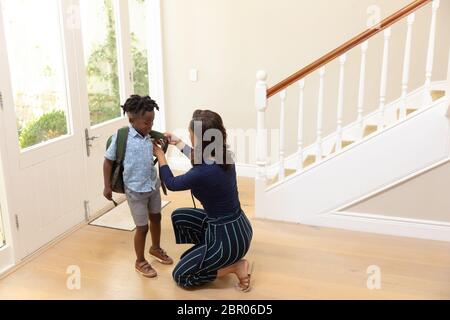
(119, 218)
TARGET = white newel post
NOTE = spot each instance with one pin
(282, 121)
(320, 115)
(340, 106)
(431, 46)
(261, 142)
(361, 90)
(301, 106)
(406, 65)
(384, 76)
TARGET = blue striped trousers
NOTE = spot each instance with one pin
(218, 243)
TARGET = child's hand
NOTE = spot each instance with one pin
(157, 151)
(107, 193)
(173, 139)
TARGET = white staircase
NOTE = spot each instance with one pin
(400, 140)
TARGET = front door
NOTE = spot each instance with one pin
(66, 67)
(44, 136)
(113, 65)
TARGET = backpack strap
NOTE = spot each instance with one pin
(121, 142)
(155, 135)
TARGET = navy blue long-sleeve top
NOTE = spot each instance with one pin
(215, 187)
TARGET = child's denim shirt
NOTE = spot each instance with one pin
(139, 173)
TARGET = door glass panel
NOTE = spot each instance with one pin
(139, 36)
(100, 54)
(34, 46)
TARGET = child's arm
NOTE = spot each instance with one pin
(107, 170)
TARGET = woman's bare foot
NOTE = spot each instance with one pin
(242, 270)
(243, 273)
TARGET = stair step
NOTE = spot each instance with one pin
(408, 112)
(369, 129)
(345, 143)
(287, 172)
(310, 159)
(437, 94)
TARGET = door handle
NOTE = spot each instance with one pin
(88, 141)
(93, 138)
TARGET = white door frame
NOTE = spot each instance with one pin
(8, 255)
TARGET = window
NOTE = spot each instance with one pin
(33, 37)
(139, 35)
(100, 53)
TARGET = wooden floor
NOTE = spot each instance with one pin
(291, 262)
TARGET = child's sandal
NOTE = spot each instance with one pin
(145, 269)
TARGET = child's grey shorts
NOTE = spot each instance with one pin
(144, 203)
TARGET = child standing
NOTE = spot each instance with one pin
(141, 181)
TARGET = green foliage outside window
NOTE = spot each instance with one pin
(101, 68)
(50, 125)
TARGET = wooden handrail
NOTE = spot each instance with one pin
(402, 13)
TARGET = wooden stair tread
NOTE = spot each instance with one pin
(287, 172)
(408, 112)
(345, 143)
(369, 129)
(310, 159)
(437, 94)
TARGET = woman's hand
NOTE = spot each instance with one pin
(173, 139)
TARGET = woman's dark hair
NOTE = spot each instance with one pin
(211, 124)
(139, 105)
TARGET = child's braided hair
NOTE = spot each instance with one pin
(139, 105)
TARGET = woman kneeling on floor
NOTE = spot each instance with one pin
(221, 232)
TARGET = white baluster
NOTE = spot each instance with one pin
(282, 121)
(340, 106)
(320, 115)
(406, 65)
(431, 46)
(301, 106)
(384, 75)
(361, 91)
(261, 142)
(261, 106)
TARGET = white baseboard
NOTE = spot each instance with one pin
(183, 164)
(380, 224)
(246, 170)
(6, 259)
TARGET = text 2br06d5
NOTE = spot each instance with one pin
(246, 309)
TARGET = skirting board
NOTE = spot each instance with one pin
(183, 164)
(395, 226)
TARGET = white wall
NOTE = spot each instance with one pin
(229, 40)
